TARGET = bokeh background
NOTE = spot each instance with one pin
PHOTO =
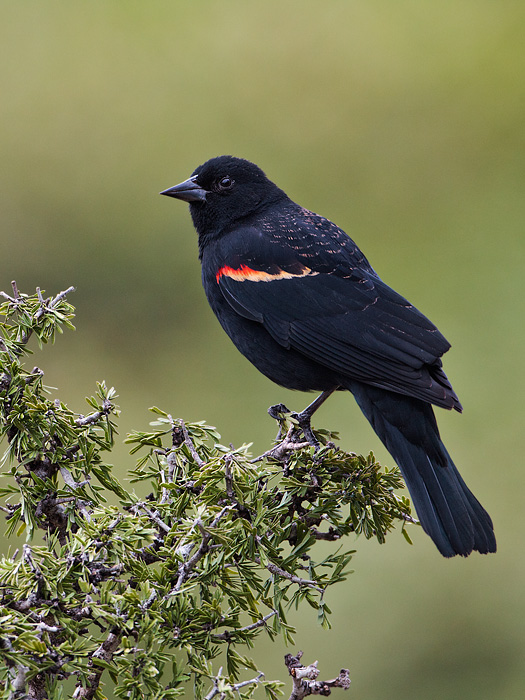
(404, 122)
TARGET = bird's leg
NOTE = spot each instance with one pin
(305, 416)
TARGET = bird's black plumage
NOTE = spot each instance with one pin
(302, 303)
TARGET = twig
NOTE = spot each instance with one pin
(189, 443)
(187, 566)
(274, 569)
(60, 296)
(82, 421)
(288, 444)
(27, 556)
(44, 306)
(260, 623)
(331, 536)
(152, 516)
(234, 687)
(305, 678)
(228, 477)
(408, 518)
(68, 478)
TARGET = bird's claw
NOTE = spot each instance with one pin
(276, 412)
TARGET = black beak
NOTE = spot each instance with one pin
(188, 191)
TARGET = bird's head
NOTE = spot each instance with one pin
(222, 191)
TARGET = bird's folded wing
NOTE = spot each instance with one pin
(344, 318)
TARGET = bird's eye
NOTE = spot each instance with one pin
(225, 183)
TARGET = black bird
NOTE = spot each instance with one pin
(302, 303)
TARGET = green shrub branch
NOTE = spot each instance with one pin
(163, 586)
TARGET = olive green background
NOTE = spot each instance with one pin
(403, 122)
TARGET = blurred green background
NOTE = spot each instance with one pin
(403, 122)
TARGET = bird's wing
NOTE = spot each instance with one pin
(324, 300)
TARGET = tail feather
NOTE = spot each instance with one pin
(448, 511)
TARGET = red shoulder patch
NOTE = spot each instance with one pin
(243, 273)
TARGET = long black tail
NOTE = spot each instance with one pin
(447, 510)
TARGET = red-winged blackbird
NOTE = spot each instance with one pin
(302, 303)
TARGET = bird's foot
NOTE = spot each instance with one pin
(300, 427)
(304, 420)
